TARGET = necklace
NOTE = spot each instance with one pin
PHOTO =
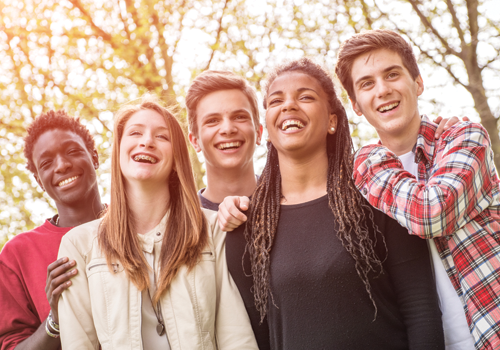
(160, 327)
(56, 221)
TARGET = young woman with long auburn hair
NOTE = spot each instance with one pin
(155, 275)
(328, 271)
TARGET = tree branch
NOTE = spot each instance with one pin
(217, 37)
(427, 24)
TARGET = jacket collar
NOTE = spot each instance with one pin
(149, 239)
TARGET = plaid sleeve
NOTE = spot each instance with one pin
(458, 188)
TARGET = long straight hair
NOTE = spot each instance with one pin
(186, 230)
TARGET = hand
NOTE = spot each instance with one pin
(445, 124)
(58, 275)
(230, 212)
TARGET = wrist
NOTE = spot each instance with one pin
(51, 327)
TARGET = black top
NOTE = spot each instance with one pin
(320, 301)
(205, 203)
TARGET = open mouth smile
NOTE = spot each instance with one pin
(292, 124)
(67, 181)
(142, 158)
(388, 107)
(229, 145)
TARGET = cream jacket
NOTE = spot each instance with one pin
(202, 309)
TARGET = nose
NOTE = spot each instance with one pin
(383, 88)
(147, 141)
(289, 104)
(62, 164)
(227, 127)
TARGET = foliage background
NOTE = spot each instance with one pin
(91, 56)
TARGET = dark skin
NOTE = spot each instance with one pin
(65, 169)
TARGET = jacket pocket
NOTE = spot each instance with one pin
(101, 265)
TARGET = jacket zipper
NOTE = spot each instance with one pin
(115, 267)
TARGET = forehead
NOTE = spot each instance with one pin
(55, 140)
(146, 118)
(374, 62)
(291, 81)
(223, 102)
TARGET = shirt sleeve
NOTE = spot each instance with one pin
(19, 320)
(409, 266)
(232, 324)
(458, 189)
(75, 311)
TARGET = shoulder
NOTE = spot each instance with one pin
(83, 236)
(214, 231)
(467, 131)
(19, 243)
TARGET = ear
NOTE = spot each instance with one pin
(95, 159)
(259, 134)
(355, 107)
(420, 85)
(332, 123)
(194, 141)
(39, 182)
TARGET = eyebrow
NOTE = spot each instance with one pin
(299, 90)
(67, 143)
(394, 66)
(143, 126)
(216, 114)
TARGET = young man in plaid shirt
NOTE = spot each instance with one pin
(445, 190)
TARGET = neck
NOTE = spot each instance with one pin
(71, 216)
(148, 204)
(303, 180)
(403, 141)
(222, 183)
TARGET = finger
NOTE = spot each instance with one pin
(55, 264)
(466, 119)
(244, 203)
(61, 269)
(451, 122)
(440, 127)
(438, 120)
(56, 293)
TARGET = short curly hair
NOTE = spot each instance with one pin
(50, 121)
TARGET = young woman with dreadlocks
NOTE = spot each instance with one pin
(327, 270)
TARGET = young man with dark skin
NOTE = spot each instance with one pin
(223, 117)
(446, 190)
(61, 155)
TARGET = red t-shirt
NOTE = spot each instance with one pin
(23, 273)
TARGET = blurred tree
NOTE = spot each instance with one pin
(91, 56)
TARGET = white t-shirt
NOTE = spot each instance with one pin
(456, 331)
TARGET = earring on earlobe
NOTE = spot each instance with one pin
(332, 130)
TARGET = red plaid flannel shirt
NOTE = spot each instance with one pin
(456, 200)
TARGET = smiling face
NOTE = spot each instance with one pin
(145, 149)
(65, 168)
(227, 134)
(298, 116)
(386, 94)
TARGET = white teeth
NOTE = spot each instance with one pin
(226, 145)
(388, 107)
(67, 181)
(144, 157)
(292, 124)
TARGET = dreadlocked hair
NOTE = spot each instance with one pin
(351, 210)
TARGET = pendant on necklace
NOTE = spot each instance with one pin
(160, 329)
